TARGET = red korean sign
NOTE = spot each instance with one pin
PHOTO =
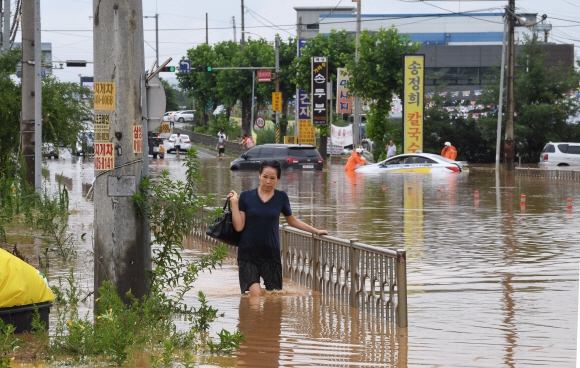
(264, 75)
(137, 139)
(104, 156)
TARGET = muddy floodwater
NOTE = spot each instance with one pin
(490, 283)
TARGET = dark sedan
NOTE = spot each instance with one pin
(290, 156)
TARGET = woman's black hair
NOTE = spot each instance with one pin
(273, 164)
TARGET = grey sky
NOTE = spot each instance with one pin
(66, 23)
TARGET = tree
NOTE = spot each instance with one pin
(200, 85)
(63, 109)
(229, 86)
(338, 47)
(236, 85)
(543, 106)
(542, 102)
(377, 76)
(171, 95)
(9, 108)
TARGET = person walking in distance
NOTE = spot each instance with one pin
(256, 214)
(178, 142)
(449, 151)
(391, 149)
(221, 144)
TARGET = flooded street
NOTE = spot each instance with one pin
(490, 284)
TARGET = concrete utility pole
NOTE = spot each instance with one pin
(31, 115)
(243, 34)
(6, 26)
(120, 247)
(156, 16)
(206, 31)
(500, 103)
(508, 146)
(356, 122)
(277, 57)
(234, 25)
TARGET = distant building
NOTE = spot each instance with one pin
(462, 51)
(46, 50)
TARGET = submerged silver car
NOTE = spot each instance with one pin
(560, 154)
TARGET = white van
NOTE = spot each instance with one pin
(560, 154)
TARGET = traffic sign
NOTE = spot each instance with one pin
(260, 122)
(276, 101)
(264, 75)
(184, 66)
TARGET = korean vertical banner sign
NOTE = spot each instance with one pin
(302, 97)
(413, 92)
(319, 95)
(343, 98)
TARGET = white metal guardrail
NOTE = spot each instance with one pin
(565, 174)
(370, 278)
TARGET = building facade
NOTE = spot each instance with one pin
(462, 51)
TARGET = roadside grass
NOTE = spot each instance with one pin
(105, 330)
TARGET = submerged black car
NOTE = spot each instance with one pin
(290, 156)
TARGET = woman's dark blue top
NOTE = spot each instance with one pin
(260, 239)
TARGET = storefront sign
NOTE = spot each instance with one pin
(307, 134)
(276, 101)
(343, 98)
(413, 92)
(319, 93)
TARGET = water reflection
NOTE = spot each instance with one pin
(497, 285)
(483, 276)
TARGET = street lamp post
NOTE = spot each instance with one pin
(156, 37)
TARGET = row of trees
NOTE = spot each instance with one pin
(376, 76)
(546, 109)
(542, 98)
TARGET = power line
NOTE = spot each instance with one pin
(275, 26)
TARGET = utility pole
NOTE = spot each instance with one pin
(234, 24)
(6, 28)
(500, 103)
(31, 115)
(119, 244)
(243, 33)
(277, 61)
(156, 37)
(206, 31)
(356, 122)
(509, 146)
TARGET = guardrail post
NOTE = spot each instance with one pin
(316, 263)
(286, 261)
(353, 272)
(401, 288)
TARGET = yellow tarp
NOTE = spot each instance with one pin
(20, 283)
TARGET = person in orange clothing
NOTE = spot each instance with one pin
(449, 151)
(355, 159)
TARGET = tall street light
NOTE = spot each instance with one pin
(156, 16)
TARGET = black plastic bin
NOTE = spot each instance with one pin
(21, 316)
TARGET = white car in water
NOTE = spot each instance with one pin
(170, 143)
(415, 163)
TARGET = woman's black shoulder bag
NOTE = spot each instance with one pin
(223, 227)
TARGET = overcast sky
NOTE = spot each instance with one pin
(66, 23)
